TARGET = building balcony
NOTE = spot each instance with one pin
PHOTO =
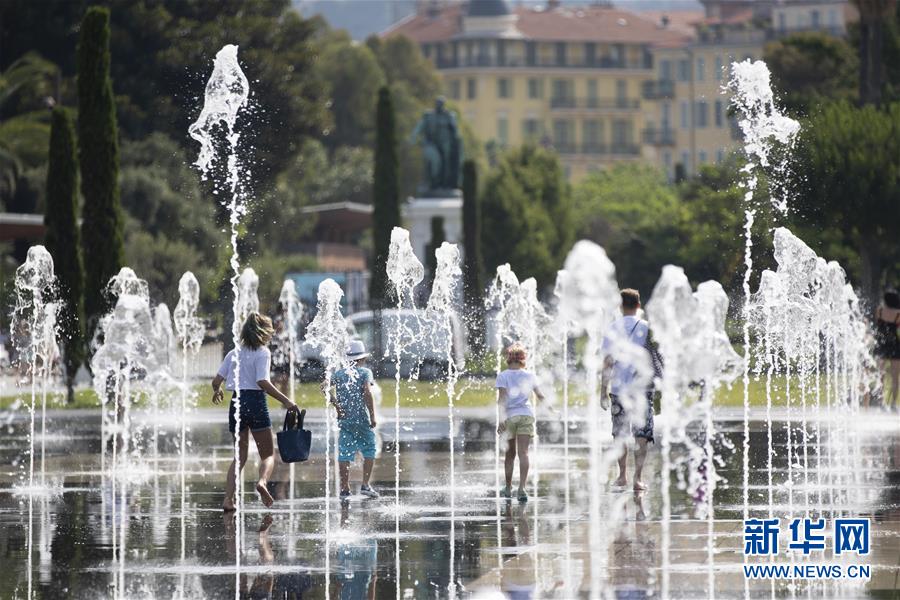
(662, 89)
(595, 149)
(594, 104)
(449, 62)
(656, 136)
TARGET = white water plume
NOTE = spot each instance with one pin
(33, 327)
(189, 332)
(589, 300)
(440, 311)
(405, 272)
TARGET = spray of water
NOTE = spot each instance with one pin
(440, 312)
(287, 351)
(765, 130)
(698, 357)
(226, 95)
(34, 336)
(189, 331)
(327, 334)
(590, 300)
(126, 358)
(405, 272)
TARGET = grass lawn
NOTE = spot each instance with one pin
(470, 393)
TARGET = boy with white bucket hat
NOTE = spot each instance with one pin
(352, 397)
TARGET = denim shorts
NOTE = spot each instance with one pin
(355, 437)
(254, 411)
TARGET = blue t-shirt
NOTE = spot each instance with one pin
(349, 389)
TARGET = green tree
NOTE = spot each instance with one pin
(353, 77)
(63, 241)
(848, 184)
(810, 67)
(527, 214)
(386, 195)
(473, 272)
(98, 145)
(634, 214)
(873, 14)
(25, 132)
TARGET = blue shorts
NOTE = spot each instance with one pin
(355, 437)
(254, 411)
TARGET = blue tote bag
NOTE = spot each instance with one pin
(294, 441)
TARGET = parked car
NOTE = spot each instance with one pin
(423, 342)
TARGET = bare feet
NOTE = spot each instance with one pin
(639, 485)
(264, 494)
(620, 482)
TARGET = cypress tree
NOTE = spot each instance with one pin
(63, 240)
(386, 195)
(98, 147)
(474, 267)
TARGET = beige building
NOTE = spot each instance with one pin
(598, 84)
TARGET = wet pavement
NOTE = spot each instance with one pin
(133, 536)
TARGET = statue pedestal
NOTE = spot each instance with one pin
(417, 215)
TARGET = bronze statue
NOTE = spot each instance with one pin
(442, 147)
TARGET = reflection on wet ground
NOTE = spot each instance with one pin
(89, 542)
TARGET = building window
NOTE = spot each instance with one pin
(718, 67)
(782, 22)
(454, 89)
(530, 54)
(814, 19)
(622, 133)
(504, 88)
(531, 129)
(720, 114)
(503, 130)
(592, 135)
(535, 88)
(471, 88)
(665, 70)
(666, 116)
(686, 161)
(702, 118)
(720, 155)
(701, 157)
(701, 68)
(685, 114)
(563, 93)
(590, 54)
(560, 54)
(621, 90)
(563, 134)
(592, 89)
(684, 70)
(832, 18)
(501, 53)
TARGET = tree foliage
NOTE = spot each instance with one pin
(850, 159)
(527, 214)
(63, 241)
(634, 214)
(810, 67)
(473, 272)
(98, 145)
(386, 195)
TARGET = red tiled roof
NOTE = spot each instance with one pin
(591, 23)
(680, 21)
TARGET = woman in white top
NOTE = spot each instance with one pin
(253, 382)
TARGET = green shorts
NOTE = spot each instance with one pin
(519, 425)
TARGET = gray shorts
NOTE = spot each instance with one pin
(625, 424)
